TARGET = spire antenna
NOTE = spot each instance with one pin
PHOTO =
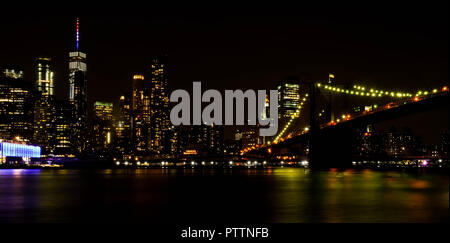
(78, 33)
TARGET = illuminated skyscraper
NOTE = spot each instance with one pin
(103, 110)
(16, 106)
(102, 136)
(288, 97)
(44, 108)
(122, 125)
(63, 133)
(78, 91)
(141, 115)
(159, 104)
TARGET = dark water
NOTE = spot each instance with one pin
(215, 196)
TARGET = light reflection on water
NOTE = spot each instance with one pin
(209, 195)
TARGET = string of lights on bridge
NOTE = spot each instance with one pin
(291, 120)
(359, 90)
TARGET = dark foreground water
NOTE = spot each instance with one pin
(217, 196)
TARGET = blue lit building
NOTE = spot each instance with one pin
(13, 152)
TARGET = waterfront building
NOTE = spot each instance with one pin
(16, 106)
(63, 133)
(122, 125)
(12, 153)
(102, 126)
(203, 140)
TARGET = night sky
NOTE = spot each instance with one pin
(230, 46)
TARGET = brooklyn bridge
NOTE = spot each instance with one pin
(326, 141)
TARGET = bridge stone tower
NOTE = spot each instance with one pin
(328, 147)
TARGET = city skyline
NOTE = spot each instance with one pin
(78, 95)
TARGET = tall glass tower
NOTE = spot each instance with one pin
(44, 106)
(78, 91)
(159, 104)
(141, 115)
(288, 97)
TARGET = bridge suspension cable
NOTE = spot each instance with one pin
(291, 120)
(359, 90)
